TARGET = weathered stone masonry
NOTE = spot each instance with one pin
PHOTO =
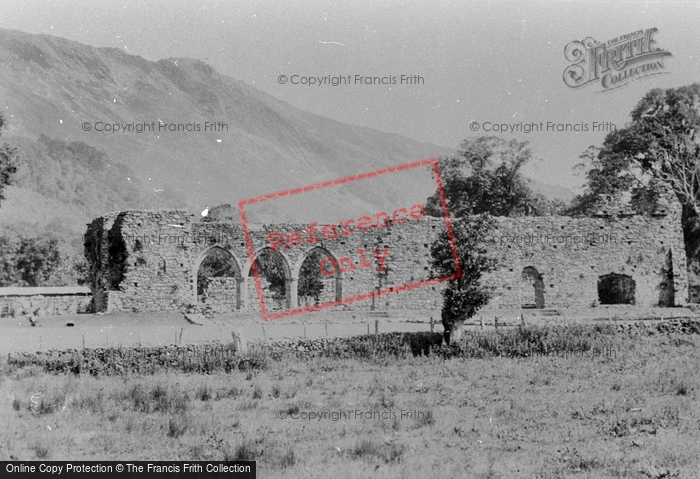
(148, 261)
(43, 301)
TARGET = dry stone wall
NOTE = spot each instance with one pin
(148, 261)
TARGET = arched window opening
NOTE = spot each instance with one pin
(275, 279)
(320, 280)
(531, 288)
(218, 279)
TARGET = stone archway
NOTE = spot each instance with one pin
(316, 284)
(531, 288)
(616, 288)
(276, 280)
(217, 278)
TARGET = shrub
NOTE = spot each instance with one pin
(245, 451)
(178, 425)
(41, 450)
(171, 401)
(204, 393)
(389, 453)
(139, 397)
(683, 389)
(159, 399)
(366, 447)
(287, 459)
(425, 419)
(93, 403)
(229, 392)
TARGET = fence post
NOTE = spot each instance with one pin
(376, 327)
(495, 323)
(264, 335)
(326, 323)
(83, 341)
(481, 322)
(367, 329)
(431, 325)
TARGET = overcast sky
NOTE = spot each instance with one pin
(498, 61)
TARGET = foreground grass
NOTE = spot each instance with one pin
(631, 414)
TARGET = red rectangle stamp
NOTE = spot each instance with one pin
(298, 268)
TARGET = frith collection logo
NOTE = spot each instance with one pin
(616, 62)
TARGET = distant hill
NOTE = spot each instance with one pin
(51, 87)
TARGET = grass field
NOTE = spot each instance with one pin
(630, 412)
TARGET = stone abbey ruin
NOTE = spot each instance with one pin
(150, 260)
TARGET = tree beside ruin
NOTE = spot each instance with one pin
(8, 162)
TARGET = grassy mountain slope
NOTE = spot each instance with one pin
(51, 86)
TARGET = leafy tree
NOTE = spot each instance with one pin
(604, 176)
(8, 276)
(8, 162)
(542, 206)
(270, 265)
(310, 281)
(81, 270)
(487, 178)
(465, 295)
(663, 141)
(29, 262)
(660, 146)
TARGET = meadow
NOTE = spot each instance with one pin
(518, 404)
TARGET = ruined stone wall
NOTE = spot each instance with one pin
(571, 254)
(50, 303)
(128, 272)
(148, 260)
(222, 292)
